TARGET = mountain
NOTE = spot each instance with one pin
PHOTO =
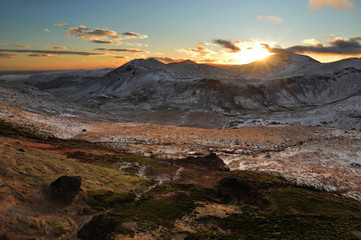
(284, 83)
(185, 62)
(280, 65)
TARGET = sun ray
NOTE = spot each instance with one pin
(252, 53)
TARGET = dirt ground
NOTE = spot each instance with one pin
(325, 158)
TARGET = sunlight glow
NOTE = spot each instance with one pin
(252, 53)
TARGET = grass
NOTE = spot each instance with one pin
(296, 213)
(290, 213)
(109, 199)
(37, 167)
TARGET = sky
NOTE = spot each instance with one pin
(90, 34)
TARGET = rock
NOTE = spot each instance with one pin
(87, 211)
(239, 189)
(101, 227)
(355, 165)
(210, 161)
(65, 188)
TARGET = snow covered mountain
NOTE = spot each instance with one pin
(283, 83)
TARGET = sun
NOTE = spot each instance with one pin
(252, 53)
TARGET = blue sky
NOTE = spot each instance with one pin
(174, 29)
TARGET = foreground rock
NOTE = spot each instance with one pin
(65, 188)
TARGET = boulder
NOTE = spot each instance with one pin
(65, 188)
(211, 162)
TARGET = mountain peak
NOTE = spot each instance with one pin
(279, 62)
(185, 62)
(149, 63)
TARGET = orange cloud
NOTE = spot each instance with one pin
(40, 55)
(198, 50)
(7, 55)
(86, 33)
(317, 5)
(57, 48)
(130, 50)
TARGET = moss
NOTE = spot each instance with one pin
(262, 179)
(195, 192)
(297, 199)
(258, 226)
(163, 211)
(296, 213)
(109, 199)
(153, 166)
(209, 234)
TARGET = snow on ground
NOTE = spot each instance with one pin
(125, 109)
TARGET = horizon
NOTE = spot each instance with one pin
(177, 61)
(37, 38)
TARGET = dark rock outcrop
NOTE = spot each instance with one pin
(65, 188)
(355, 165)
(211, 161)
(101, 227)
(239, 189)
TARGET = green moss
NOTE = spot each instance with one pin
(262, 179)
(296, 199)
(160, 211)
(109, 199)
(194, 192)
(295, 213)
(259, 226)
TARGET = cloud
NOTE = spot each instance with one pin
(46, 30)
(7, 55)
(16, 45)
(61, 25)
(121, 57)
(199, 50)
(51, 52)
(128, 35)
(135, 44)
(20, 45)
(316, 5)
(208, 60)
(339, 46)
(168, 59)
(86, 33)
(131, 50)
(312, 42)
(227, 44)
(270, 19)
(74, 31)
(40, 55)
(109, 42)
(57, 48)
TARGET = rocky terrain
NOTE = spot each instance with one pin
(124, 196)
(184, 151)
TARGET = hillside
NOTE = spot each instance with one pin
(191, 198)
